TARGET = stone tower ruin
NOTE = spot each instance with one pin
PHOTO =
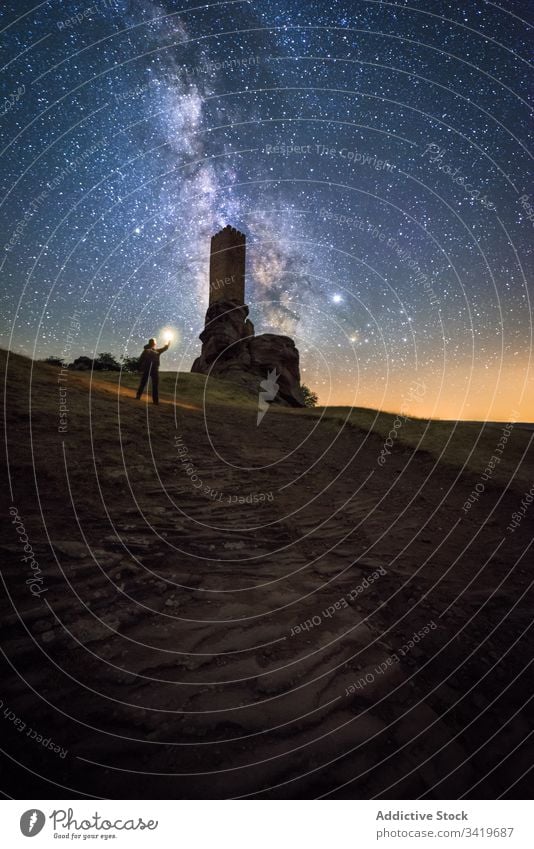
(230, 348)
(227, 266)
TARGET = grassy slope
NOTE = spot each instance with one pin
(468, 445)
(461, 444)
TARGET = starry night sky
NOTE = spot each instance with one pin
(375, 154)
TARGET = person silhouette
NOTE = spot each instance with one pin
(149, 367)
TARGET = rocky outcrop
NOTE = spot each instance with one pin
(231, 350)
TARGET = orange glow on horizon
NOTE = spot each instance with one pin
(495, 394)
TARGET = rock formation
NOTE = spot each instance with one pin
(229, 347)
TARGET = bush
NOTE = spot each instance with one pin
(310, 398)
(106, 362)
(82, 364)
(54, 361)
(130, 364)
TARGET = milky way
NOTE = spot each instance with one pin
(375, 154)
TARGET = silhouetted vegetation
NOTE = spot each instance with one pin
(310, 398)
(54, 361)
(106, 362)
(130, 364)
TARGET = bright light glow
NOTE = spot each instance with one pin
(337, 298)
(168, 334)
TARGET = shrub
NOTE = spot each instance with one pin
(106, 362)
(310, 398)
(130, 364)
(54, 361)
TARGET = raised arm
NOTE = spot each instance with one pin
(162, 350)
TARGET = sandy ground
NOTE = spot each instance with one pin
(254, 635)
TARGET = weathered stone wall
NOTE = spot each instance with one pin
(229, 347)
(227, 266)
(231, 350)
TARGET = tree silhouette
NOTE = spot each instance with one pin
(106, 362)
(54, 361)
(310, 398)
(130, 364)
